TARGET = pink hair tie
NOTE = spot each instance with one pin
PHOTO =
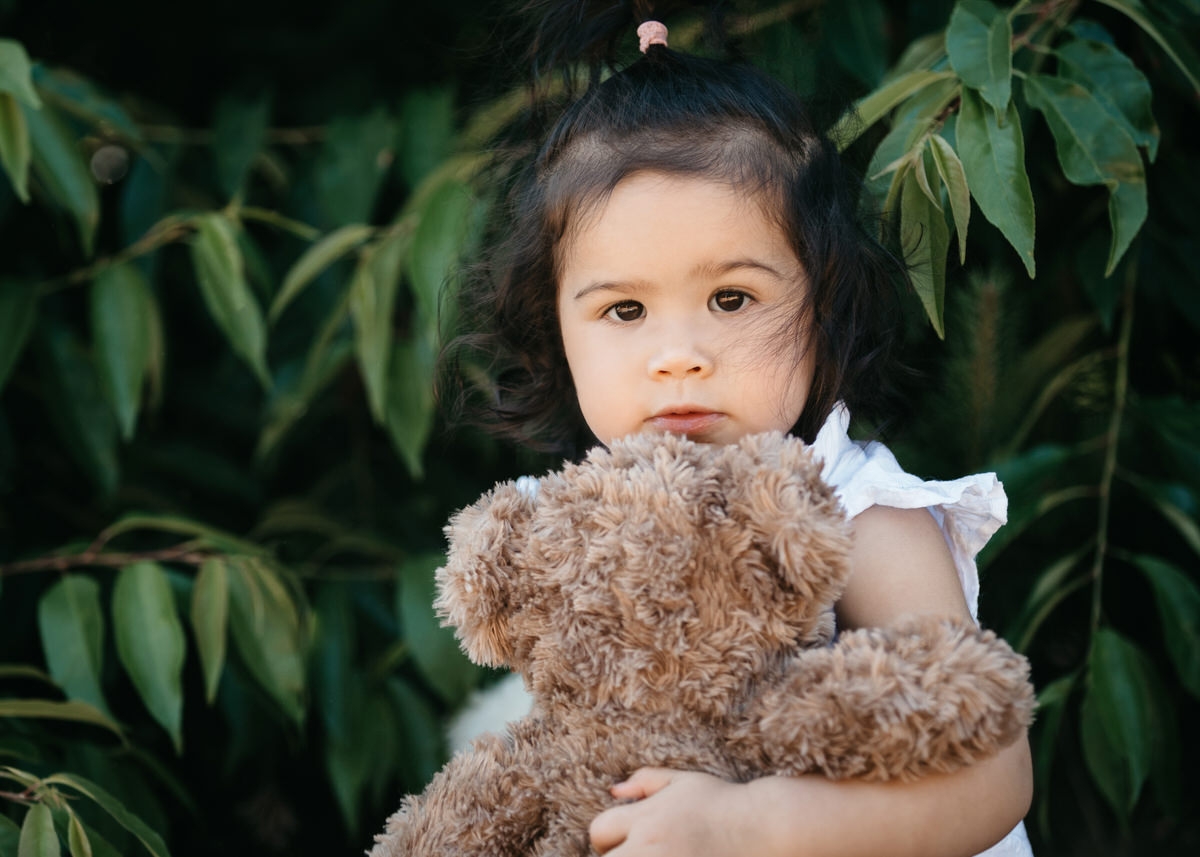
(651, 33)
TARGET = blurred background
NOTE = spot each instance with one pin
(227, 235)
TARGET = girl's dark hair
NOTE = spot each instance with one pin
(681, 115)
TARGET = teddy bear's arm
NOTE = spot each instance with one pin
(486, 801)
(926, 694)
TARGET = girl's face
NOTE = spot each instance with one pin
(677, 301)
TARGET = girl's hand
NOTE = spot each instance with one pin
(671, 813)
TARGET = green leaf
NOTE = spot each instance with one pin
(926, 239)
(1052, 705)
(25, 778)
(144, 197)
(121, 306)
(335, 677)
(922, 53)
(151, 840)
(156, 351)
(16, 73)
(16, 153)
(1094, 149)
(426, 131)
(411, 405)
(315, 260)
(921, 173)
(1047, 593)
(1161, 497)
(266, 633)
(77, 838)
(1117, 719)
(76, 405)
(857, 33)
(220, 271)
(1178, 600)
(25, 671)
(1042, 372)
(925, 111)
(1172, 425)
(380, 730)
(290, 402)
(10, 836)
(210, 621)
(210, 536)
(100, 846)
(372, 300)
(978, 41)
(356, 155)
(74, 710)
(60, 167)
(954, 178)
(438, 244)
(421, 733)
(150, 642)
(239, 132)
(80, 98)
(870, 109)
(434, 648)
(1117, 85)
(18, 309)
(38, 837)
(349, 761)
(993, 158)
(1127, 209)
(1173, 40)
(72, 629)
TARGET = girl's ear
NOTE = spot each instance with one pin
(794, 514)
(478, 584)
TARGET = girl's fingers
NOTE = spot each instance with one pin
(643, 783)
(609, 828)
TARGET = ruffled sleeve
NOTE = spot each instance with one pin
(968, 510)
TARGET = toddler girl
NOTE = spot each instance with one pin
(682, 255)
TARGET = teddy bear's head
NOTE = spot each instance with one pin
(661, 574)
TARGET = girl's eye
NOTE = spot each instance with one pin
(626, 311)
(728, 301)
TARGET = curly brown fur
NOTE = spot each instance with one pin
(670, 604)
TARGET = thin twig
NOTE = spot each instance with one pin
(207, 137)
(185, 554)
(167, 231)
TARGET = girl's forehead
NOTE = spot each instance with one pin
(652, 197)
(696, 221)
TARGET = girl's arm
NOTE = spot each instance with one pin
(901, 564)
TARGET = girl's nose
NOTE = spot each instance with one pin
(680, 361)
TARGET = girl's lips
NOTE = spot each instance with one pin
(685, 422)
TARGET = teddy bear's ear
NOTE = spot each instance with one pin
(477, 587)
(795, 514)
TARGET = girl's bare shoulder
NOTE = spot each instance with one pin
(900, 564)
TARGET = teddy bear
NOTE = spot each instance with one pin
(670, 603)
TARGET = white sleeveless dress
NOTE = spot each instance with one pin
(968, 511)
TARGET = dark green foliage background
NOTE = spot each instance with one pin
(265, 500)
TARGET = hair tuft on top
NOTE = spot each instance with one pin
(563, 34)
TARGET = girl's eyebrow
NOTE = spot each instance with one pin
(717, 269)
(706, 270)
(612, 286)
